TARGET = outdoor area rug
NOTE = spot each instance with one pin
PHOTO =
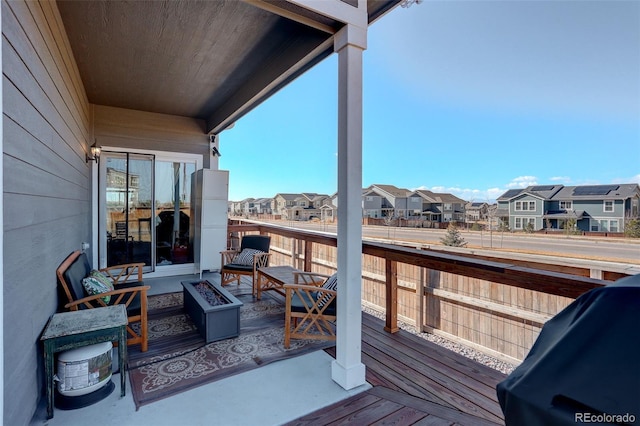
(178, 359)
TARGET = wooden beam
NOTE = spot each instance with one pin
(273, 8)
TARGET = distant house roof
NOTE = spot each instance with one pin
(584, 192)
(262, 200)
(474, 206)
(562, 214)
(426, 194)
(599, 192)
(510, 194)
(438, 197)
(433, 210)
(288, 197)
(391, 190)
(445, 197)
(540, 191)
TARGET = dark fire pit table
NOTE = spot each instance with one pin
(215, 311)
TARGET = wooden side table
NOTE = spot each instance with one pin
(273, 278)
(70, 330)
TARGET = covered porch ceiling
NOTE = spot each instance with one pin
(209, 60)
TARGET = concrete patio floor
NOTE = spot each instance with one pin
(270, 395)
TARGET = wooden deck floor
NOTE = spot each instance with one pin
(415, 382)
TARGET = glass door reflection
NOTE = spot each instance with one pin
(128, 205)
(172, 220)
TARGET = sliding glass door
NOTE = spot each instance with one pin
(173, 215)
(128, 208)
(145, 215)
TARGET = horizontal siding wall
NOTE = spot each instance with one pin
(132, 129)
(47, 187)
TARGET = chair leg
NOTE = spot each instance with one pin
(144, 332)
(287, 331)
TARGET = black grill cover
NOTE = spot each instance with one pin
(585, 363)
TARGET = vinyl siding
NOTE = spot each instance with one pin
(47, 187)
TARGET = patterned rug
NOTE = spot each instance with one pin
(178, 358)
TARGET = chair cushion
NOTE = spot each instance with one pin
(238, 268)
(74, 275)
(134, 306)
(330, 284)
(258, 242)
(94, 286)
(245, 257)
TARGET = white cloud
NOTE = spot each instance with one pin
(467, 194)
(561, 179)
(522, 182)
(490, 195)
(632, 179)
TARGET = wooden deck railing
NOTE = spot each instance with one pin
(494, 305)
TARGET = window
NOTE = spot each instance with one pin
(608, 206)
(595, 226)
(566, 205)
(448, 206)
(613, 225)
(522, 222)
(525, 205)
(415, 199)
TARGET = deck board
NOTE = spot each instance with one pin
(415, 382)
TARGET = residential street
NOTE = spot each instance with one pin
(599, 248)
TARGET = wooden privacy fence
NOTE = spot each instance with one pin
(495, 305)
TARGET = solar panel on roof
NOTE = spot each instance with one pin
(512, 193)
(542, 188)
(594, 189)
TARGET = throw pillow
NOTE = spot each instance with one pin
(330, 284)
(102, 278)
(94, 286)
(245, 257)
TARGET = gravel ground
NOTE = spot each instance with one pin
(473, 354)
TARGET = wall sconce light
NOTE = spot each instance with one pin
(95, 154)
(214, 150)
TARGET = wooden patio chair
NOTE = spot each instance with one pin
(310, 307)
(133, 294)
(253, 254)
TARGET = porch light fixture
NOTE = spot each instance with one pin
(95, 154)
(214, 150)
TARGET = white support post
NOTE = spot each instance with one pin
(348, 370)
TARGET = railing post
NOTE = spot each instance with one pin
(420, 302)
(308, 253)
(391, 290)
(294, 252)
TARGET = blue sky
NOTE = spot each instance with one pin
(467, 97)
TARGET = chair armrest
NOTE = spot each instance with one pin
(309, 278)
(119, 296)
(228, 255)
(120, 274)
(304, 287)
(260, 260)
